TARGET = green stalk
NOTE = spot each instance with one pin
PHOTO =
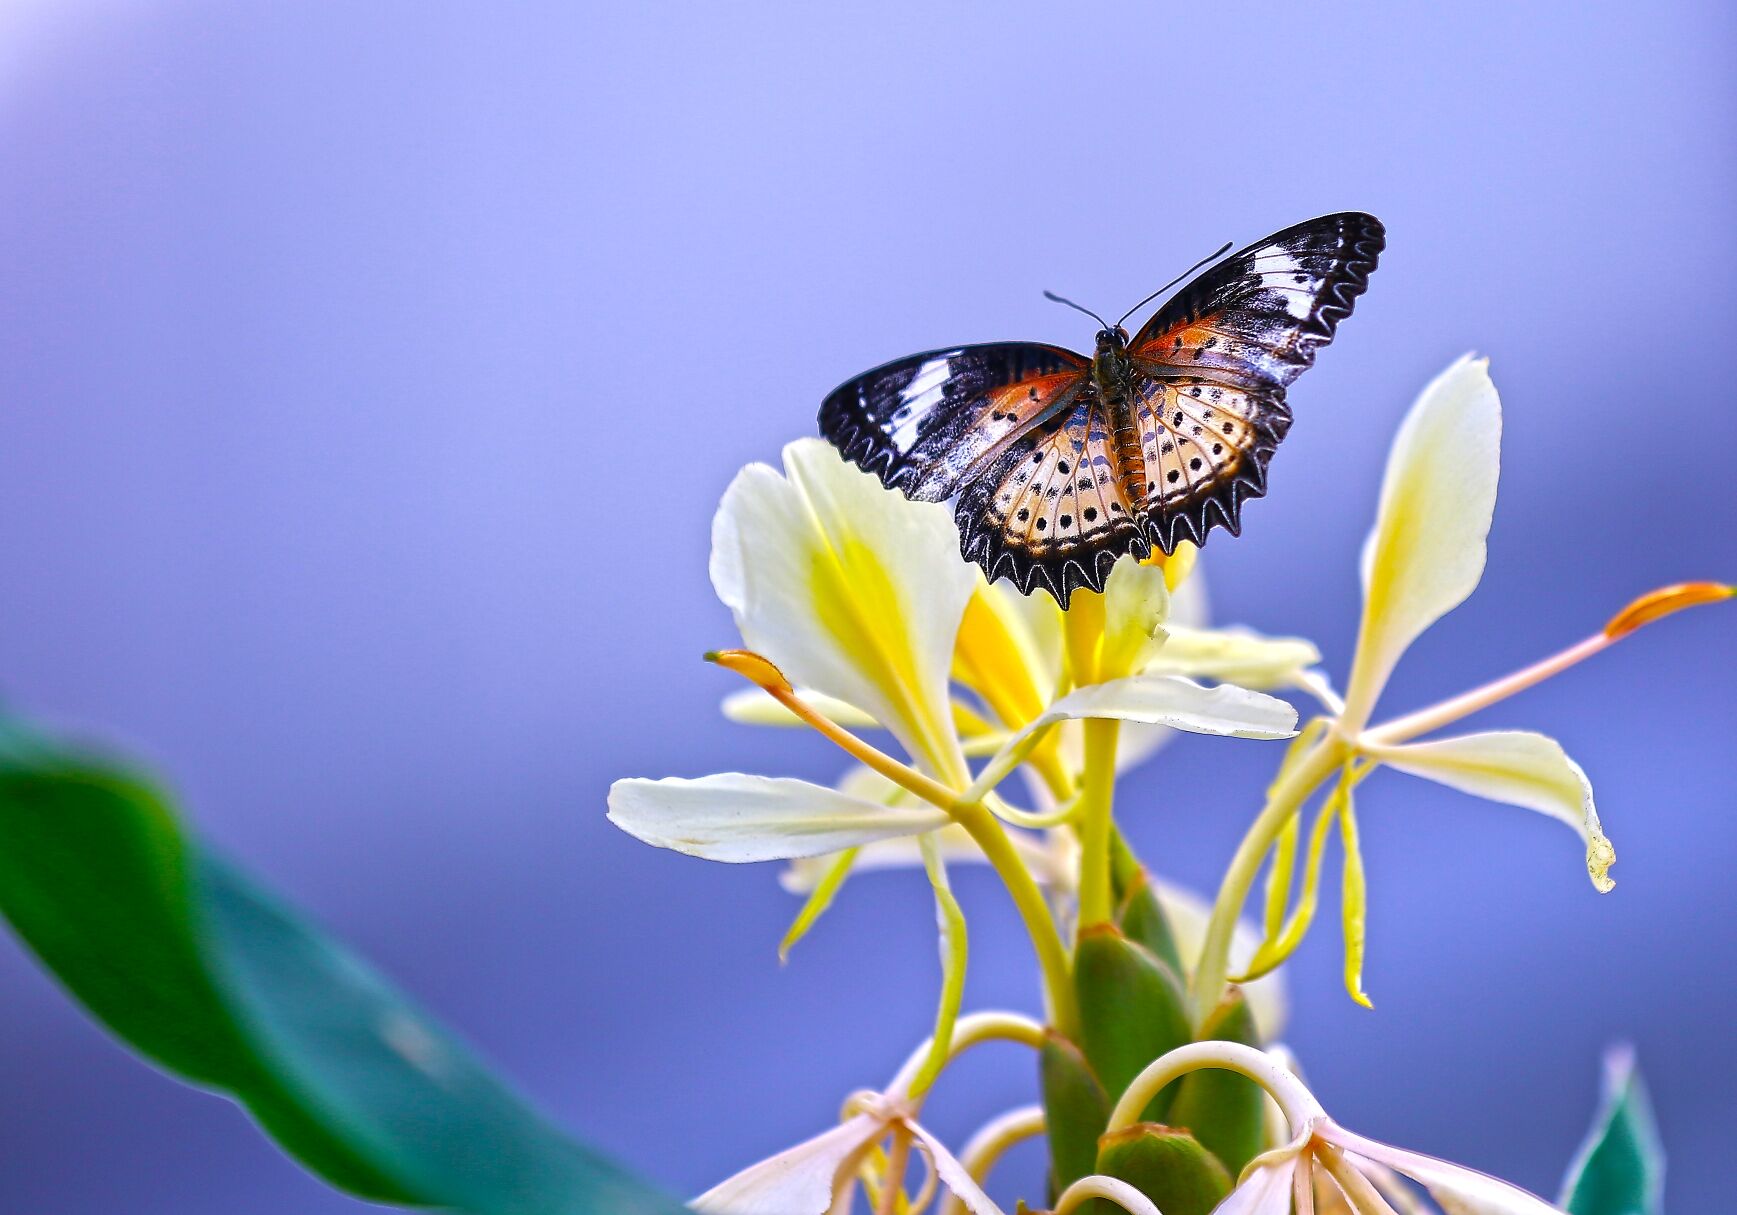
(1286, 797)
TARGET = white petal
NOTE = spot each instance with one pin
(1188, 914)
(1234, 655)
(848, 587)
(797, 1181)
(1457, 1189)
(756, 707)
(1166, 700)
(954, 1175)
(734, 817)
(1520, 769)
(1266, 1190)
(1426, 553)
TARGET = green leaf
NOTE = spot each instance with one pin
(1132, 1009)
(1225, 1111)
(194, 967)
(1167, 1165)
(1620, 1169)
(1075, 1111)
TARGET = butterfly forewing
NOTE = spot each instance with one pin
(1258, 317)
(922, 423)
(1212, 365)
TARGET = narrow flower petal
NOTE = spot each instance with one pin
(1353, 903)
(1263, 1190)
(1136, 603)
(1234, 655)
(1455, 1188)
(953, 1174)
(801, 1180)
(734, 817)
(849, 587)
(1426, 553)
(756, 707)
(1520, 769)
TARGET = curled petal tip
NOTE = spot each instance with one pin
(752, 667)
(1656, 605)
(1600, 856)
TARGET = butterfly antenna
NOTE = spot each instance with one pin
(1050, 295)
(1216, 254)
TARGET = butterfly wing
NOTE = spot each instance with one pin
(1211, 367)
(1050, 510)
(922, 423)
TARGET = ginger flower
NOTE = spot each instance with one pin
(1424, 557)
(851, 598)
(1323, 1166)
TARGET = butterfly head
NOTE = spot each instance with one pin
(1112, 340)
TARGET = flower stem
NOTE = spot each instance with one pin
(974, 817)
(1297, 1103)
(1286, 797)
(969, 1031)
(1109, 1189)
(1095, 816)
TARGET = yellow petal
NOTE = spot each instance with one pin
(1426, 553)
(1517, 768)
(1353, 903)
(850, 588)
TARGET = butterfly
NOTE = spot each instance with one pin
(1058, 463)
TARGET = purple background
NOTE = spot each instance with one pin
(371, 371)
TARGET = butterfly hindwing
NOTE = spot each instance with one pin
(1051, 509)
(921, 423)
(1205, 448)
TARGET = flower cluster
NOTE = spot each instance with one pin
(1009, 721)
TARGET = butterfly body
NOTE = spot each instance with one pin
(1058, 464)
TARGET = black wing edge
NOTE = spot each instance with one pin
(1365, 237)
(1368, 237)
(846, 422)
(1061, 576)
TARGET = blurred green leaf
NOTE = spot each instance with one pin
(1226, 1112)
(1167, 1165)
(1132, 1010)
(201, 972)
(1075, 1111)
(1620, 1169)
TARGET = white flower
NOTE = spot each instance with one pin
(1323, 1163)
